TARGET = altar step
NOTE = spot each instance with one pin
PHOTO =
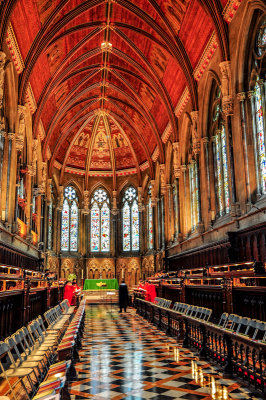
(101, 296)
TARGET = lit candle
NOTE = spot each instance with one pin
(82, 274)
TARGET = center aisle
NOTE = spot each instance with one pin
(124, 357)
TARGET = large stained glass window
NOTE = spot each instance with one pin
(260, 137)
(194, 194)
(219, 151)
(50, 226)
(70, 221)
(130, 220)
(100, 221)
(150, 220)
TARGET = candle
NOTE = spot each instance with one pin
(82, 274)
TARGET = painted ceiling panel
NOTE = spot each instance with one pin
(195, 31)
(120, 63)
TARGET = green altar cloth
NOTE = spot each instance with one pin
(91, 284)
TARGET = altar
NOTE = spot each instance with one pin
(100, 284)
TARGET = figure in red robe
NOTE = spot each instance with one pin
(69, 292)
(76, 293)
(152, 290)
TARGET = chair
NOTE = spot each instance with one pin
(11, 370)
(223, 320)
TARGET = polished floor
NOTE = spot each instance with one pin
(124, 357)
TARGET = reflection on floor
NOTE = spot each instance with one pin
(123, 357)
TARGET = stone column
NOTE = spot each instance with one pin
(141, 221)
(171, 215)
(184, 211)
(153, 204)
(115, 227)
(28, 208)
(86, 212)
(11, 139)
(242, 97)
(2, 119)
(59, 209)
(164, 212)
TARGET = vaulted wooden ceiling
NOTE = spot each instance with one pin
(111, 68)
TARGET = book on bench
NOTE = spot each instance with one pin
(53, 383)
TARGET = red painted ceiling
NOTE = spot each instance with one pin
(108, 74)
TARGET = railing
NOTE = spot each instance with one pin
(237, 354)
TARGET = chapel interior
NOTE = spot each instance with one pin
(133, 148)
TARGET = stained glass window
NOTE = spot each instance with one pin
(175, 203)
(69, 225)
(261, 39)
(260, 134)
(130, 220)
(50, 226)
(65, 227)
(100, 221)
(194, 194)
(74, 227)
(220, 161)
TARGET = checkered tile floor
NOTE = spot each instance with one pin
(124, 357)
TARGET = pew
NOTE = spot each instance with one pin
(236, 343)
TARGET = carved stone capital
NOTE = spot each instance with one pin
(30, 170)
(183, 168)
(177, 172)
(11, 136)
(205, 140)
(194, 116)
(19, 144)
(241, 96)
(228, 105)
(250, 94)
(225, 67)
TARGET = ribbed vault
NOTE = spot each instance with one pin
(113, 70)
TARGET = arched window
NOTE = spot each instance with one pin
(50, 226)
(130, 217)
(258, 63)
(194, 194)
(219, 150)
(260, 137)
(100, 221)
(70, 220)
(150, 220)
(175, 206)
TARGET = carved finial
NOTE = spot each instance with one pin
(226, 87)
(163, 179)
(176, 159)
(195, 132)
